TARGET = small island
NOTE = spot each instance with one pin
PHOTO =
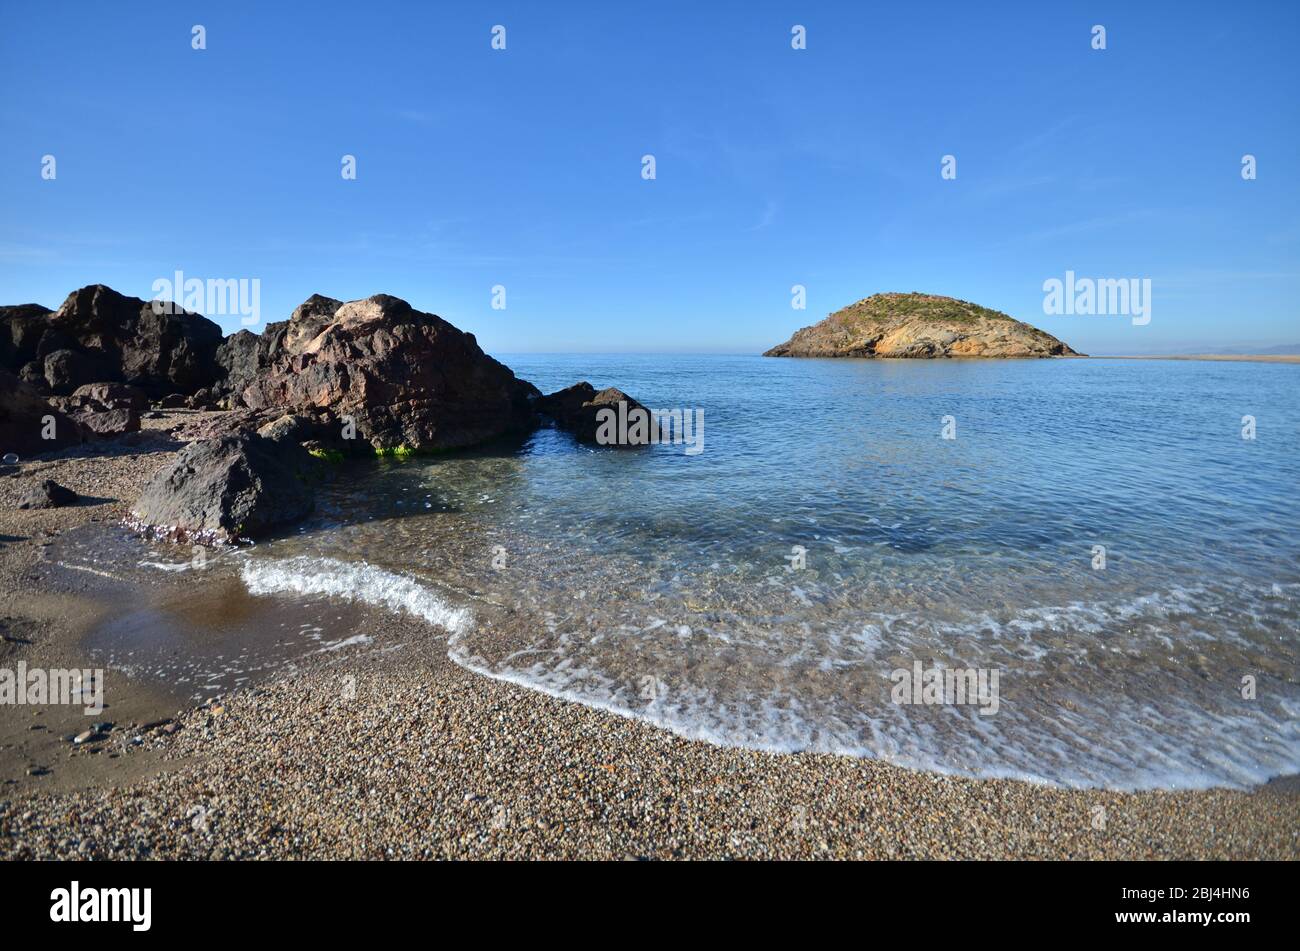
(920, 326)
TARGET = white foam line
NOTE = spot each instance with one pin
(93, 571)
(359, 581)
(167, 566)
(357, 640)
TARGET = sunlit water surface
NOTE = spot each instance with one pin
(660, 584)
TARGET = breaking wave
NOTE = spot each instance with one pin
(304, 575)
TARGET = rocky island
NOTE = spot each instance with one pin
(924, 326)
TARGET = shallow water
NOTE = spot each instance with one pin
(660, 584)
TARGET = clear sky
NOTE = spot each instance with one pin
(523, 168)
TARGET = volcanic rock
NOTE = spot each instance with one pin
(577, 408)
(67, 370)
(100, 335)
(245, 355)
(26, 418)
(401, 377)
(110, 422)
(21, 328)
(112, 396)
(48, 495)
(226, 489)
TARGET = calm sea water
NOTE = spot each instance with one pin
(662, 585)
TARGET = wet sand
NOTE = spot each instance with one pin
(388, 749)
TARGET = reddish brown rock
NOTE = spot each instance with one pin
(112, 396)
(404, 378)
(577, 409)
(106, 423)
(99, 335)
(26, 418)
(245, 355)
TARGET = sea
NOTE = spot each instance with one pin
(1109, 548)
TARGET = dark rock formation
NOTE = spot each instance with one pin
(404, 378)
(227, 489)
(67, 370)
(245, 355)
(577, 409)
(112, 396)
(919, 325)
(217, 425)
(21, 327)
(361, 376)
(100, 335)
(26, 418)
(104, 409)
(107, 423)
(206, 398)
(48, 495)
(319, 427)
(33, 374)
(240, 358)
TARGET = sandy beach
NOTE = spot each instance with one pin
(392, 750)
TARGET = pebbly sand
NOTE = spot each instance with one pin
(392, 750)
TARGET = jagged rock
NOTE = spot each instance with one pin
(110, 422)
(244, 356)
(226, 489)
(105, 409)
(48, 495)
(26, 418)
(320, 428)
(33, 374)
(919, 326)
(240, 358)
(403, 377)
(67, 370)
(216, 425)
(285, 429)
(363, 375)
(21, 327)
(99, 335)
(112, 396)
(577, 409)
(205, 398)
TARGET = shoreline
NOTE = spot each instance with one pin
(391, 749)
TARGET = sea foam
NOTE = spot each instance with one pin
(304, 575)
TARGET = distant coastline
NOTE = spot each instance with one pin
(1223, 357)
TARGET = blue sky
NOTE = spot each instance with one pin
(775, 167)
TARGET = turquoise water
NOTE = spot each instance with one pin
(660, 584)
